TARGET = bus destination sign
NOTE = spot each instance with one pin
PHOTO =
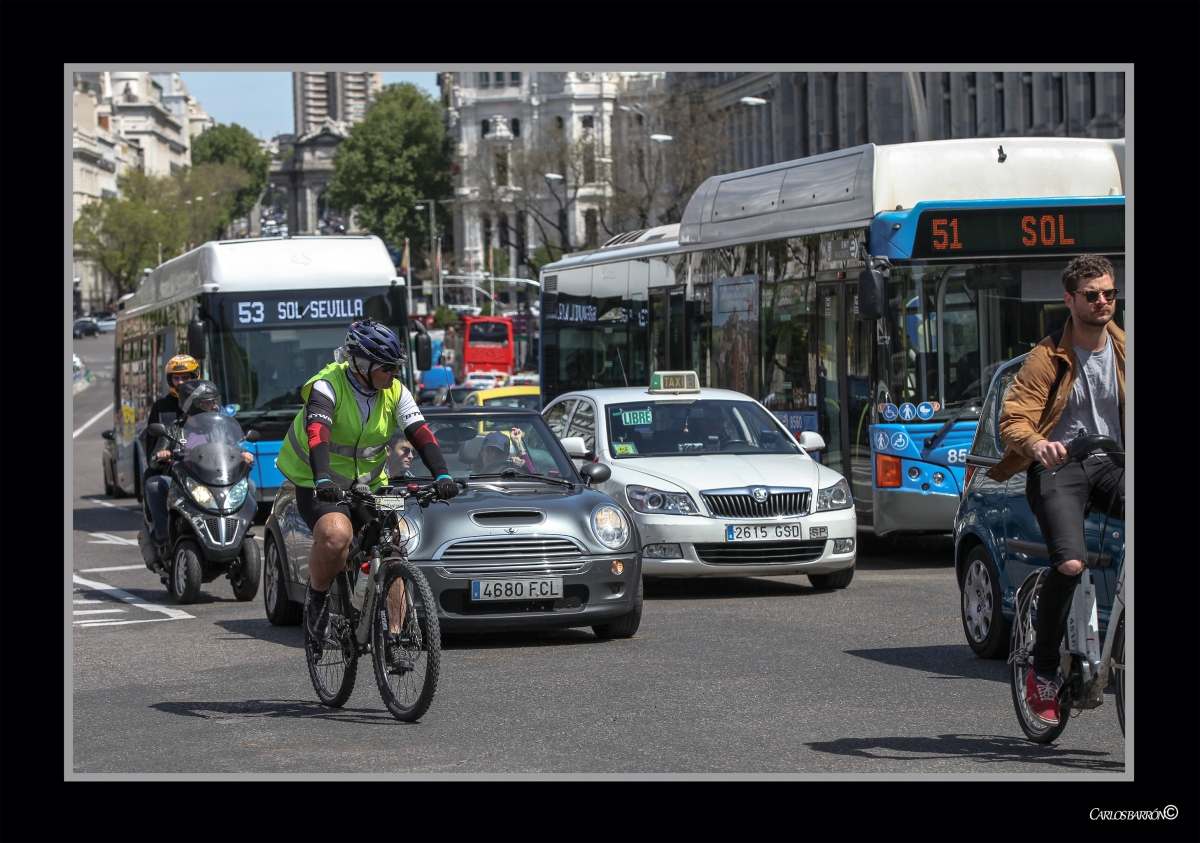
(323, 307)
(1020, 231)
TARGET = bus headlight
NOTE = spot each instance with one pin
(654, 502)
(200, 493)
(610, 526)
(237, 495)
(836, 496)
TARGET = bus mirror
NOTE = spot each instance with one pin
(871, 294)
(195, 338)
(424, 352)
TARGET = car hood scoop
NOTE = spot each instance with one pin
(508, 517)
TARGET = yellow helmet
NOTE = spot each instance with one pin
(181, 364)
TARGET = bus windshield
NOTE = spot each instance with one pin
(952, 325)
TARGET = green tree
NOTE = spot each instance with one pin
(394, 157)
(208, 199)
(443, 317)
(542, 255)
(235, 145)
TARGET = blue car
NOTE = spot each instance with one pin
(997, 541)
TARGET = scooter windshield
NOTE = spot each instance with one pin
(214, 452)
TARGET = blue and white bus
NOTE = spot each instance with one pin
(262, 316)
(757, 290)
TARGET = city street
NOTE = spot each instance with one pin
(724, 676)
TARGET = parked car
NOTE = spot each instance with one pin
(527, 544)
(997, 540)
(529, 397)
(716, 485)
(107, 323)
(86, 327)
(482, 380)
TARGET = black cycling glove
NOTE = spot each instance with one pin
(328, 491)
(446, 487)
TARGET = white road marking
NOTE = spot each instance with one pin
(96, 611)
(113, 505)
(131, 599)
(80, 625)
(114, 568)
(109, 538)
(92, 421)
(79, 602)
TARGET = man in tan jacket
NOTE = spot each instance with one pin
(1072, 382)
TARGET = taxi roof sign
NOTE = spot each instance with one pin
(674, 382)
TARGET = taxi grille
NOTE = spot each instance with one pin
(777, 505)
(510, 547)
(760, 553)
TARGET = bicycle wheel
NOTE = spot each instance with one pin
(1119, 672)
(333, 663)
(407, 661)
(1020, 664)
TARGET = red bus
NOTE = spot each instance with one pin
(482, 344)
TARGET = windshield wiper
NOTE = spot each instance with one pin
(512, 474)
(933, 441)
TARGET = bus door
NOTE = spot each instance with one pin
(843, 396)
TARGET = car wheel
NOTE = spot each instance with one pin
(280, 610)
(625, 626)
(838, 579)
(983, 620)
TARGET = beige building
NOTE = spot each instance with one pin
(334, 95)
(139, 113)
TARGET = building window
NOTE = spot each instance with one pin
(558, 123)
(520, 233)
(1027, 99)
(514, 78)
(502, 168)
(972, 123)
(504, 241)
(591, 225)
(587, 121)
(998, 82)
(499, 79)
(1058, 98)
(1089, 97)
(484, 79)
(516, 128)
(487, 235)
(483, 128)
(564, 234)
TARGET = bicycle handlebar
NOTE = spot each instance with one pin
(424, 495)
(1082, 447)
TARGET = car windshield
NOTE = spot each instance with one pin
(486, 443)
(671, 428)
(532, 401)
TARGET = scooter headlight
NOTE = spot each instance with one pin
(237, 495)
(200, 493)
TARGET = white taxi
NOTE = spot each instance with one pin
(717, 486)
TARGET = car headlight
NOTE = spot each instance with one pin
(610, 526)
(655, 502)
(407, 534)
(200, 493)
(237, 495)
(836, 496)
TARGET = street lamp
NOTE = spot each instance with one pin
(753, 101)
(661, 138)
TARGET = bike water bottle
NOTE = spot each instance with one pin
(360, 587)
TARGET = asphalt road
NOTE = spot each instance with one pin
(725, 676)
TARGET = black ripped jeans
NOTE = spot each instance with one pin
(1059, 497)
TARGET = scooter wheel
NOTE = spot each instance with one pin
(186, 573)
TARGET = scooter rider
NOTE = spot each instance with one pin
(165, 411)
(194, 396)
(1072, 380)
(353, 407)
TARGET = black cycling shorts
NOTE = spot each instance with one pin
(311, 509)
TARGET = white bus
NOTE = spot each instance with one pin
(262, 316)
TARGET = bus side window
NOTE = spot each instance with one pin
(556, 416)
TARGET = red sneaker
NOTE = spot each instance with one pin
(1042, 695)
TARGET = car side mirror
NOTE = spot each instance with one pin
(252, 436)
(810, 440)
(595, 472)
(195, 337)
(424, 352)
(106, 434)
(156, 429)
(575, 448)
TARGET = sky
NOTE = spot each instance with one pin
(261, 101)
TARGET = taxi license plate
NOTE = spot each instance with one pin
(762, 532)
(524, 589)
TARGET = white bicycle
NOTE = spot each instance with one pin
(1088, 663)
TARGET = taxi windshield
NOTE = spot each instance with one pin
(672, 428)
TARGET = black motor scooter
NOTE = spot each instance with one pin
(210, 510)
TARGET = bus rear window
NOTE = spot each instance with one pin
(496, 332)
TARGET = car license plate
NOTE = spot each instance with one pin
(762, 532)
(524, 589)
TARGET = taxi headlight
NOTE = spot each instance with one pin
(237, 495)
(655, 502)
(200, 493)
(836, 496)
(610, 526)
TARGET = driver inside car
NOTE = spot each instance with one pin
(494, 455)
(705, 425)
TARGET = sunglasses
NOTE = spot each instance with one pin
(406, 452)
(389, 369)
(1093, 295)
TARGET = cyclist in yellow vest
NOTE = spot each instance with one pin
(338, 441)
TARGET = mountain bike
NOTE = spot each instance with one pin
(391, 615)
(1088, 663)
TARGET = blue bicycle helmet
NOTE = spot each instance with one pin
(375, 342)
